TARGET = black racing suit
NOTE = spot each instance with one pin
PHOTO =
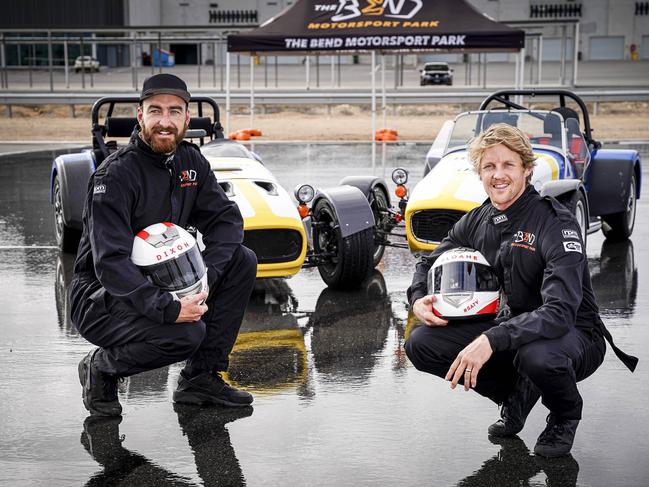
(114, 305)
(549, 330)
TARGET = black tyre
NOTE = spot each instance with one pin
(67, 238)
(576, 203)
(349, 260)
(379, 204)
(619, 226)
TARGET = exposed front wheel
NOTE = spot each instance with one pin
(346, 262)
(67, 239)
(577, 206)
(619, 226)
(379, 204)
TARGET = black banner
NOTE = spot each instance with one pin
(359, 25)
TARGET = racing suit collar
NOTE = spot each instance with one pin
(145, 149)
(516, 208)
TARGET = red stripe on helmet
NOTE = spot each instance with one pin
(167, 224)
(491, 308)
(143, 235)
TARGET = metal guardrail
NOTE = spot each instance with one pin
(319, 97)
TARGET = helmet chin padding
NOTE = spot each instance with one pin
(191, 290)
(464, 285)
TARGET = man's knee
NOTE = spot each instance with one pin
(242, 266)
(418, 349)
(534, 360)
(188, 340)
(248, 261)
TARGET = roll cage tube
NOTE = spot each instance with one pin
(503, 96)
(99, 130)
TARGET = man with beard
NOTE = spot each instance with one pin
(158, 177)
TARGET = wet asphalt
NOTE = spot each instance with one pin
(336, 400)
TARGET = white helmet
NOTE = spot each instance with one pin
(170, 258)
(464, 285)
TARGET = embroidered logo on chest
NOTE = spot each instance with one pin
(188, 178)
(524, 240)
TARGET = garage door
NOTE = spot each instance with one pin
(610, 47)
(552, 49)
(644, 48)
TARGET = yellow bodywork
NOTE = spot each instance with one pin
(446, 200)
(461, 192)
(257, 208)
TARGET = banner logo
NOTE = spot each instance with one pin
(396, 9)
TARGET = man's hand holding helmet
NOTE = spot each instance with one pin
(192, 308)
(170, 259)
(423, 310)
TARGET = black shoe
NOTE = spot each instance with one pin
(557, 437)
(209, 388)
(99, 391)
(515, 409)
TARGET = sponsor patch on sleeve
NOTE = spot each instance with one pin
(99, 189)
(570, 234)
(572, 247)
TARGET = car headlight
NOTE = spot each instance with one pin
(400, 176)
(304, 193)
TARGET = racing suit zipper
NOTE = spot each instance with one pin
(172, 186)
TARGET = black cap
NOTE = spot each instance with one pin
(164, 84)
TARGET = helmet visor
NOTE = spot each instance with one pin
(464, 277)
(179, 273)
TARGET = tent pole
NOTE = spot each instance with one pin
(227, 93)
(575, 58)
(333, 72)
(539, 71)
(562, 69)
(373, 81)
(517, 58)
(307, 70)
(521, 74)
(384, 106)
(252, 91)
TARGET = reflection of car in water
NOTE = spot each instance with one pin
(64, 270)
(350, 330)
(269, 354)
(615, 278)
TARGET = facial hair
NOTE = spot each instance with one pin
(162, 146)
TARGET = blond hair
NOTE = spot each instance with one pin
(510, 137)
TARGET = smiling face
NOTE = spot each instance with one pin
(164, 120)
(503, 175)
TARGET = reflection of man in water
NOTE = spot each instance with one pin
(513, 466)
(208, 438)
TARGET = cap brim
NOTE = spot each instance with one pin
(166, 91)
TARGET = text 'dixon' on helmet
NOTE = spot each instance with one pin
(170, 258)
(464, 285)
